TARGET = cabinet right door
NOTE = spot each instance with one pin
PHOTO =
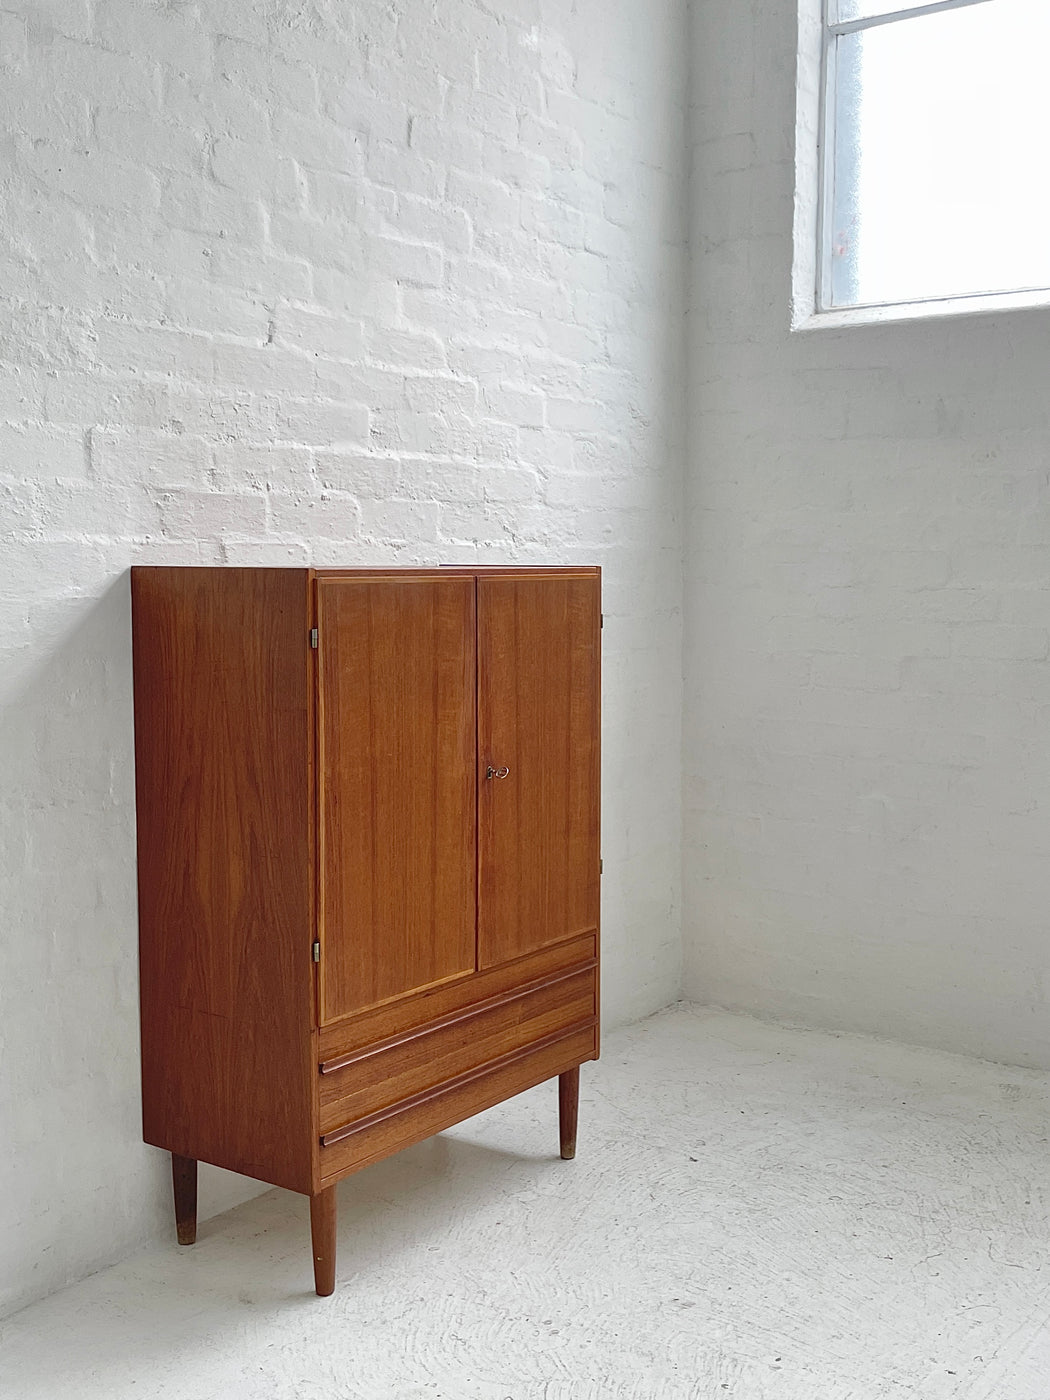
(539, 648)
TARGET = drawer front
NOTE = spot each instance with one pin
(388, 1132)
(366, 1081)
(421, 1009)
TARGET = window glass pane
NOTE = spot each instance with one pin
(939, 162)
(843, 11)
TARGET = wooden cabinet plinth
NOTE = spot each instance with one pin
(368, 806)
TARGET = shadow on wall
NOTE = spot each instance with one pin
(81, 1186)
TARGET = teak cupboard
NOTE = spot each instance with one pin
(368, 861)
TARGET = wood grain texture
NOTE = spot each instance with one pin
(286, 794)
(422, 1009)
(568, 1111)
(184, 1191)
(460, 1018)
(222, 755)
(539, 716)
(397, 723)
(437, 1111)
(428, 1059)
(397, 1110)
(323, 1235)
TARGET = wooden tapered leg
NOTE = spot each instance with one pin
(184, 1188)
(568, 1110)
(322, 1232)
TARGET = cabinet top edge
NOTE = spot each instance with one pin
(380, 571)
(287, 569)
(466, 571)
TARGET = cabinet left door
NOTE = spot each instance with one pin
(397, 718)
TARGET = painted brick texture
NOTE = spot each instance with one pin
(325, 283)
(867, 621)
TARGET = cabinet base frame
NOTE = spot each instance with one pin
(324, 1218)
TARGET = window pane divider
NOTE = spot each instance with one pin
(854, 26)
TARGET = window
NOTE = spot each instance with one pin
(931, 189)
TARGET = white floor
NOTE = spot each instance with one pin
(754, 1212)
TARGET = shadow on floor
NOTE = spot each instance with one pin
(255, 1261)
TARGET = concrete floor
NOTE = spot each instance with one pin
(754, 1212)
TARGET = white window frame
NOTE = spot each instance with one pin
(813, 185)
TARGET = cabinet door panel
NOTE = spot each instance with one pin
(538, 688)
(397, 787)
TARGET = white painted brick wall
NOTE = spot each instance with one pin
(867, 816)
(329, 283)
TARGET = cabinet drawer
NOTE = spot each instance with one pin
(368, 1080)
(418, 1010)
(420, 1117)
(391, 1130)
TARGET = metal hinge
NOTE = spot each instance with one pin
(602, 622)
(601, 867)
(313, 637)
(317, 951)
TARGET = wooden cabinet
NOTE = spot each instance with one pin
(368, 861)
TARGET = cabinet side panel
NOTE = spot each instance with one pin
(222, 754)
(539, 733)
